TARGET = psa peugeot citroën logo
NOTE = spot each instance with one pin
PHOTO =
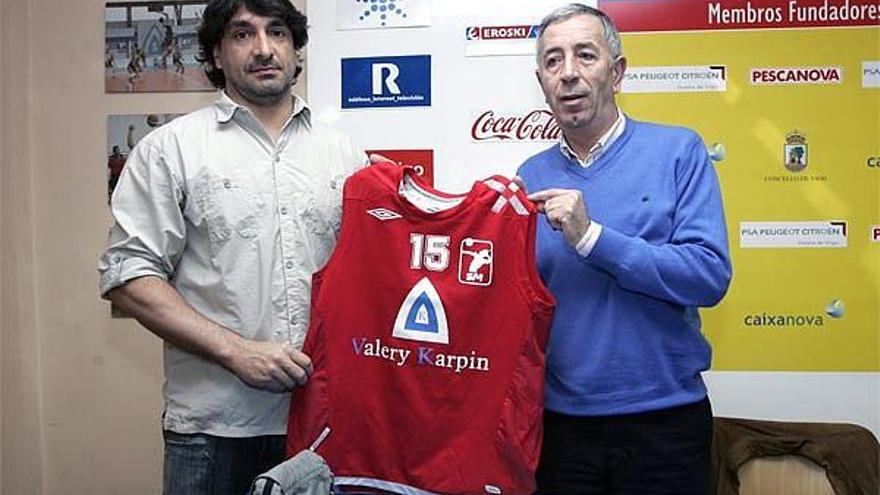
(795, 151)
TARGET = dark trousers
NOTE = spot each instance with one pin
(656, 452)
(200, 464)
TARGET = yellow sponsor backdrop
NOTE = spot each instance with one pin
(841, 123)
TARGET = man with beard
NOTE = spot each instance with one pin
(635, 241)
(222, 217)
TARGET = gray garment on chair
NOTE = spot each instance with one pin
(306, 473)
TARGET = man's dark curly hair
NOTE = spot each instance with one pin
(218, 13)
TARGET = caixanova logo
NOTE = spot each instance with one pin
(536, 125)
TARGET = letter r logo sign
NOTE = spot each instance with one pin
(389, 80)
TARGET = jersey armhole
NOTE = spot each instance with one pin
(342, 240)
(538, 291)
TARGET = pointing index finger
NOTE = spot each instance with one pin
(542, 196)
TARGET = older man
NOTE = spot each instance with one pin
(635, 241)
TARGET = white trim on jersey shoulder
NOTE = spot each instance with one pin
(503, 199)
(494, 184)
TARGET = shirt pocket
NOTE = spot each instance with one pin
(319, 205)
(231, 206)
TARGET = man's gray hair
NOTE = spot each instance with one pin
(612, 36)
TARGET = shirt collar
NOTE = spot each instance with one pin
(601, 145)
(225, 108)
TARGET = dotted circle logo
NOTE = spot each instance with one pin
(381, 10)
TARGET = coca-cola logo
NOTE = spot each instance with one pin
(537, 125)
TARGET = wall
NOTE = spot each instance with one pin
(2, 230)
(19, 384)
(101, 377)
(81, 392)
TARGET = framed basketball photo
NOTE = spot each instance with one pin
(153, 47)
(123, 133)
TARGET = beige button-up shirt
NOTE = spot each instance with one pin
(238, 224)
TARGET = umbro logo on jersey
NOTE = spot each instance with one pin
(422, 316)
(475, 262)
(384, 214)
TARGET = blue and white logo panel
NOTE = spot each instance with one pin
(375, 82)
(380, 14)
(422, 316)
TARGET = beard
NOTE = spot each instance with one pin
(264, 92)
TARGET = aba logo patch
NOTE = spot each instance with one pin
(475, 262)
(422, 317)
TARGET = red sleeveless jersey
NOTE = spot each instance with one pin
(427, 336)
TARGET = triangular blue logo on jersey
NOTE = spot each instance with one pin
(422, 316)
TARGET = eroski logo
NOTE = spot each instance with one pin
(501, 32)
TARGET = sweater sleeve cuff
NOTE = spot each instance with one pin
(588, 241)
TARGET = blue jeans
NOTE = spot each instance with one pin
(197, 464)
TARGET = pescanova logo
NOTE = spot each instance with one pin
(796, 75)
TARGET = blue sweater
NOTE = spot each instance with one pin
(626, 333)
